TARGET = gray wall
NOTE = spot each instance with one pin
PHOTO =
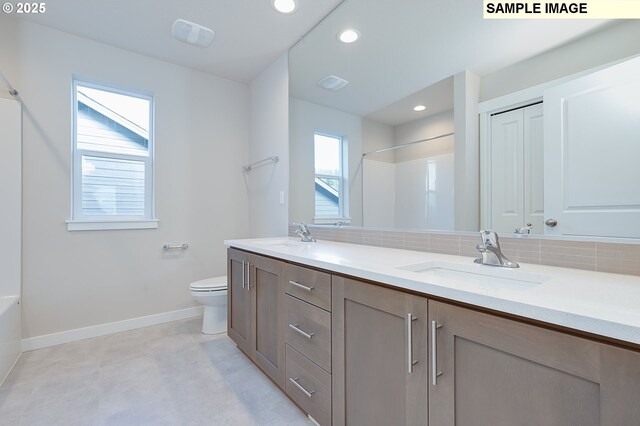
(83, 278)
(269, 137)
(11, 195)
(611, 44)
(433, 125)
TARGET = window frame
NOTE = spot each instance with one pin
(81, 222)
(343, 193)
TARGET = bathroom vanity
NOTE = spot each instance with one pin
(367, 335)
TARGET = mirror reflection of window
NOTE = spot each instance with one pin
(329, 177)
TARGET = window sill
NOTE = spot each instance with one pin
(331, 220)
(105, 225)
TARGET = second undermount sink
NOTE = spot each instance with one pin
(478, 274)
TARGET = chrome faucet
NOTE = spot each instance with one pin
(490, 251)
(525, 230)
(304, 233)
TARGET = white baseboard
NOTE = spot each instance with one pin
(53, 339)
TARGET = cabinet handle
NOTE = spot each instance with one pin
(302, 286)
(248, 276)
(304, 333)
(434, 353)
(244, 278)
(299, 386)
(409, 337)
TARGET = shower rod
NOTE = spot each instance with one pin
(12, 91)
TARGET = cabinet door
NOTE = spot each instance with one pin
(379, 356)
(499, 372)
(239, 299)
(267, 315)
(591, 153)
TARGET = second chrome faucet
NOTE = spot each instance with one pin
(490, 252)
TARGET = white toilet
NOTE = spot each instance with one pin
(212, 293)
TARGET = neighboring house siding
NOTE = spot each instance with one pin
(326, 202)
(110, 186)
(101, 133)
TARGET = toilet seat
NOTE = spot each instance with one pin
(209, 285)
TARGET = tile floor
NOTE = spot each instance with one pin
(168, 374)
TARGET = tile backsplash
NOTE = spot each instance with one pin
(618, 258)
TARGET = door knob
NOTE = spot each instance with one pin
(551, 222)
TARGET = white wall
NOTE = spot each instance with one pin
(10, 194)
(424, 193)
(395, 193)
(466, 89)
(611, 44)
(269, 137)
(378, 193)
(434, 125)
(376, 135)
(79, 279)
(307, 118)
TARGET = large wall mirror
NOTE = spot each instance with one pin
(414, 125)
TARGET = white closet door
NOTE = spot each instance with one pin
(507, 197)
(534, 168)
(592, 153)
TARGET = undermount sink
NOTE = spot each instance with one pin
(283, 243)
(478, 274)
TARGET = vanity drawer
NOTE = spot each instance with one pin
(312, 286)
(309, 386)
(308, 330)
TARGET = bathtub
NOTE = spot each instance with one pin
(10, 334)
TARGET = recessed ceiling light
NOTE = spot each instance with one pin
(349, 35)
(419, 108)
(285, 6)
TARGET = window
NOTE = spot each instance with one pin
(330, 188)
(112, 159)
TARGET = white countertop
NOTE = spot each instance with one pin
(596, 302)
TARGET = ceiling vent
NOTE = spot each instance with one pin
(192, 33)
(332, 82)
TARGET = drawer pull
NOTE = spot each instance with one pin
(244, 273)
(248, 276)
(302, 286)
(304, 333)
(409, 339)
(299, 386)
(434, 353)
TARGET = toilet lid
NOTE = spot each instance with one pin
(210, 284)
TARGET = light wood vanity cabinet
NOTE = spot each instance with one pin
(379, 355)
(266, 282)
(238, 299)
(256, 314)
(499, 372)
(308, 330)
(308, 341)
(309, 285)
